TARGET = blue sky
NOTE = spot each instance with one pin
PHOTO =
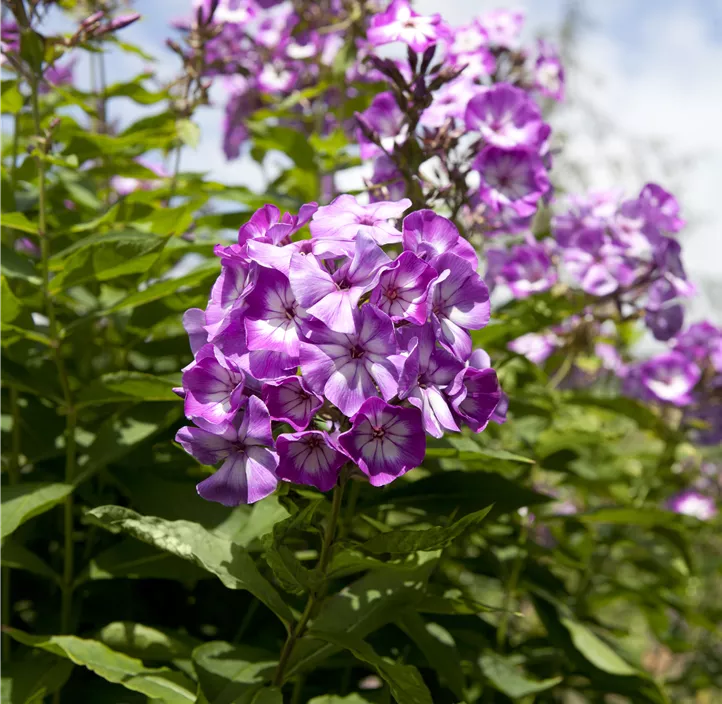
(650, 67)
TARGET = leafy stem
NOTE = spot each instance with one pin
(511, 586)
(34, 78)
(316, 595)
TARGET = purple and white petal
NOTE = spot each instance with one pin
(385, 441)
(291, 401)
(309, 458)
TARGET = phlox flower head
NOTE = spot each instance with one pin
(692, 503)
(356, 340)
(401, 24)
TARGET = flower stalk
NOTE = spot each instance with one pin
(315, 596)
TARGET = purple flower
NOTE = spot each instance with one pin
(429, 235)
(385, 441)
(58, 75)
(24, 245)
(194, 323)
(213, 388)
(350, 368)
(403, 289)
(290, 400)
(401, 24)
(549, 72)
(449, 102)
(243, 99)
(248, 471)
(426, 372)
(386, 181)
(596, 264)
(662, 208)
(701, 342)
(506, 117)
(537, 348)
(232, 11)
(460, 302)
(670, 377)
(526, 269)
(309, 458)
(332, 298)
(512, 177)
(692, 503)
(475, 396)
(503, 27)
(468, 39)
(334, 227)
(384, 119)
(664, 316)
(272, 318)
(229, 292)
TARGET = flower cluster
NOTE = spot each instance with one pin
(356, 340)
(476, 107)
(265, 49)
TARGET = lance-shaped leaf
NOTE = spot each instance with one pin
(364, 606)
(228, 561)
(439, 649)
(33, 677)
(229, 674)
(405, 681)
(407, 541)
(21, 502)
(161, 683)
(505, 675)
(18, 557)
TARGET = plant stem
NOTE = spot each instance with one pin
(13, 478)
(42, 146)
(501, 631)
(313, 597)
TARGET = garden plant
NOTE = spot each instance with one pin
(407, 422)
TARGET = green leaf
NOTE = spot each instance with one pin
(230, 674)
(22, 502)
(405, 682)
(408, 541)
(103, 257)
(17, 221)
(18, 557)
(15, 266)
(364, 606)
(337, 699)
(596, 651)
(12, 307)
(34, 677)
(268, 695)
(629, 407)
(505, 675)
(159, 290)
(124, 386)
(287, 140)
(443, 492)
(189, 133)
(29, 380)
(229, 562)
(12, 99)
(292, 576)
(146, 642)
(439, 649)
(647, 517)
(120, 434)
(158, 683)
(130, 559)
